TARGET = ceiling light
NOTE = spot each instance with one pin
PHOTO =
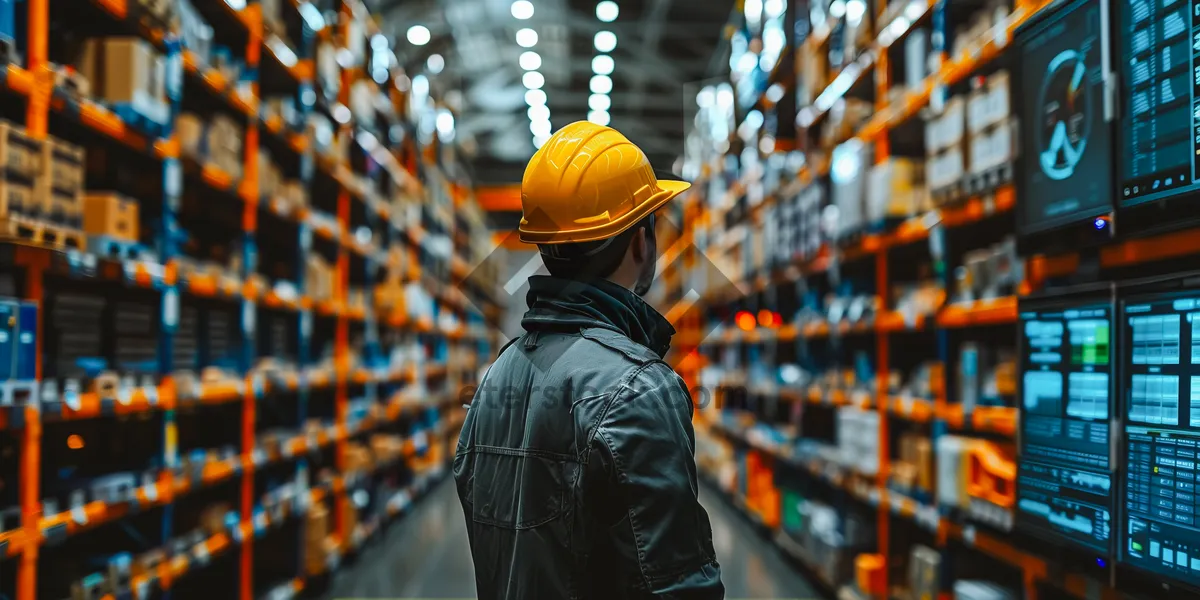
(725, 97)
(773, 8)
(540, 140)
(527, 38)
(753, 10)
(535, 97)
(598, 117)
(533, 80)
(603, 65)
(775, 92)
(418, 35)
(445, 121)
(605, 41)
(855, 9)
(601, 84)
(837, 8)
(599, 102)
(522, 9)
(435, 63)
(540, 127)
(607, 11)
(539, 112)
(530, 60)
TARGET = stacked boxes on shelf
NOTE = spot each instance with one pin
(217, 141)
(945, 146)
(128, 74)
(42, 186)
(992, 130)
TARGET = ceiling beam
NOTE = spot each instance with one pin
(651, 37)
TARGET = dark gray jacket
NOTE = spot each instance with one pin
(575, 465)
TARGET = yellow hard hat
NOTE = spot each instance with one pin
(587, 183)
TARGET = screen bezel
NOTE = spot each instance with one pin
(1128, 576)
(1155, 215)
(1093, 295)
(1079, 223)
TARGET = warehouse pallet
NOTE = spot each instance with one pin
(37, 232)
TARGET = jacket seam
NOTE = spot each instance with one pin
(519, 452)
(619, 470)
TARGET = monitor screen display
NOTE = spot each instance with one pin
(1067, 140)
(1160, 360)
(1064, 483)
(1159, 127)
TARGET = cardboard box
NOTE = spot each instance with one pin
(316, 529)
(224, 145)
(20, 154)
(212, 519)
(895, 189)
(947, 129)
(127, 70)
(66, 167)
(994, 147)
(189, 128)
(111, 215)
(17, 199)
(989, 104)
(945, 169)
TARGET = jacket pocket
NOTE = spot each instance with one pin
(515, 488)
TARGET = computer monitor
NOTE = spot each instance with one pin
(1065, 485)
(1160, 146)
(1065, 179)
(1160, 368)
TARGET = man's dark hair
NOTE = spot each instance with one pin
(592, 259)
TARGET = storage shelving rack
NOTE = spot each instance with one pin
(874, 256)
(413, 400)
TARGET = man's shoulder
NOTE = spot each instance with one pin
(621, 344)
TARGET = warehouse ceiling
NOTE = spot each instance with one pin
(663, 48)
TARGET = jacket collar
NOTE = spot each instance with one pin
(595, 302)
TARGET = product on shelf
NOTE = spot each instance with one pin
(316, 530)
(989, 273)
(224, 141)
(945, 133)
(195, 32)
(129, 74)
(110, 215)
(272, 17)
(270, 179)
(848, 174)
(968, 589)
(858, 439)
(912, 472)
(18, 351)
(870, 574)
(318, 279)
(60, 182)
(896, 190)
(978, 477)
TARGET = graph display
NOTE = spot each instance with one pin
(1064, 483)
(1067, 137)
(1161, 390)
(1160, 120)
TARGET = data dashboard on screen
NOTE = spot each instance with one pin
(1067, 177)
(1065, 487)
(1160, 359)
(1160, 122)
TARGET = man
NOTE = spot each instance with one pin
(576, 462)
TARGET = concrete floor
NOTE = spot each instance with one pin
(426, 556)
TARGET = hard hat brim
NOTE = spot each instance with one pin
(667, 189)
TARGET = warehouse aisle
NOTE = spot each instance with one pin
(426, 555)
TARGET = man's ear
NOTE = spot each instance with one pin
(640, 245)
